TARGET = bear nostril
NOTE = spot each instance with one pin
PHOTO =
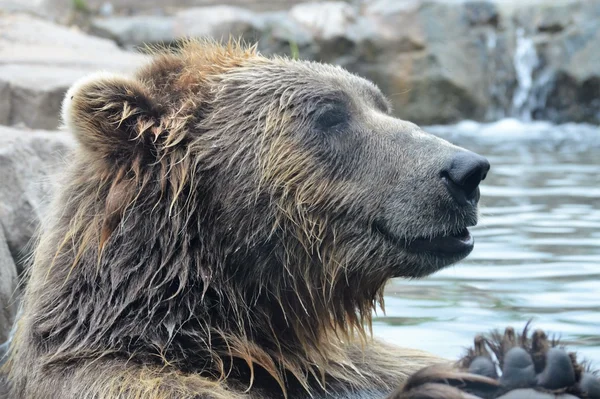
(463, 175)
(471, 183)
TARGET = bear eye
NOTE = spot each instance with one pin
(331, 116)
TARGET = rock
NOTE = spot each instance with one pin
(62, 10)
(40, 60)
(441, 61)
(482, 13)
(4, 103)
(432, 81)
(152, 6)
(438, 61)
(55, 10)
(26, 30)
(8, 286)
(29, 160)
(543, 16)
(328, 20)
(136, 30)
(570, 67)
(220, 22)
(569, 61)
(106, 9)
(284, 35)
(35, 93)
(566, 79)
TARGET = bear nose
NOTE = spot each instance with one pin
(463, 175)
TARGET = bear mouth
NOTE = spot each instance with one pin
(451, 244)
(458, 244)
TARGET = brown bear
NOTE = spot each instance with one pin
(225, 229)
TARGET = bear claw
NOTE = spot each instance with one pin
(508, 366)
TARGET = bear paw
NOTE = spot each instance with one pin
(507, 366)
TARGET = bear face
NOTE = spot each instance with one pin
(224, 208)
(338, 174)
(298, 152)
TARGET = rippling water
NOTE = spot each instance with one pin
(537, 247)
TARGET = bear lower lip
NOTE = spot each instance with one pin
(459, 243)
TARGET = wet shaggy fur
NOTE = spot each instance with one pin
(224, 230)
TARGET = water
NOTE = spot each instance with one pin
(537, 250)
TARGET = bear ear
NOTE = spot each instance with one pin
(112, 116)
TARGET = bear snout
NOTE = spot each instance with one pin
(462, 176)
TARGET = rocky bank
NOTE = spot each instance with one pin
(439, 61)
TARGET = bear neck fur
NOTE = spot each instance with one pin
(177, 293)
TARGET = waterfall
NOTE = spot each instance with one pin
(525, 62)
(496, 77)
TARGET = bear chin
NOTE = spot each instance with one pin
(428, 254)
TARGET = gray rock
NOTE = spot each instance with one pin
(39, 60)
(328, 20)
(26, 30)
(571, 68)
(439, 61)
(55, 10)
(566, 79)
(35, 92)
(62, 10)
(150, 6)
(135, 30)
(442, 61)
(4, 102)
(8, 289)
(28, 162)
(218, 22)
(436, 61)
